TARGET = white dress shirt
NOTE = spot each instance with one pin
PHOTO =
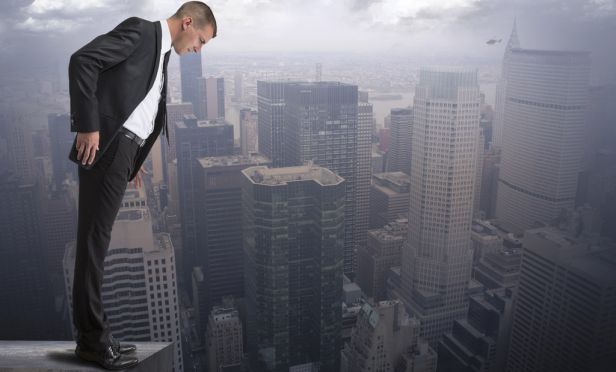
(141, 120)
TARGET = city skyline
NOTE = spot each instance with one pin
(402, 195)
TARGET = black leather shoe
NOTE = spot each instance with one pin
(107, 358)
(122, 348)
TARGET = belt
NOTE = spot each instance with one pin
(132, 136)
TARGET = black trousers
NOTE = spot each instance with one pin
(101, 189)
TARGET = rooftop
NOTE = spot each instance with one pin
(281, 176)
(229, 160)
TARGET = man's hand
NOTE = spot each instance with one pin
(87, 145)
(137, 182)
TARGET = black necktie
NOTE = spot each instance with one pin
(164, 96)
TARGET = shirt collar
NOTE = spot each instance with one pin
(165, 44)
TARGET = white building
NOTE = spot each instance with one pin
(139, 288)
(436, 259)
(544, 110)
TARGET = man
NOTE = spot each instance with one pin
(118, 86)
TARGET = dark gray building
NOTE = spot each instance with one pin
(565, 310)
(321, 126)
(60, 141)
(218, 219)
(190, 71)
(27, 310)
(381, 253)
(195, 139)
(293, 242)
(270, 121)
(389, 198)
(400, 139)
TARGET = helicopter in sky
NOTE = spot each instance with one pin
(493, 41)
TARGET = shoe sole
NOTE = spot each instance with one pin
(86, 358)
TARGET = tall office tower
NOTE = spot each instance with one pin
(389, 198)
(139, 289)
(401, 137)
(190, 71)
(565, 312)
(218, 216)
(270, 123)
(478, 175)
(225, 347)
(293, 243)
(501, 87)
(61, 140)
(378, 161)
(238, 85)
(381, 254)
(194, 139)
(211, 98)
(319, 72)
(26, 306)
(248, 131)
(543, 135)
(386, 339)
(322, 126)
(436, 260)
(597, 185)
(489, 182)
(16, 135)
(175, 113)
(365, 121)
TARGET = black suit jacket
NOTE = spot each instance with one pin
(110, 76)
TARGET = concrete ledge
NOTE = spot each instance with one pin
(59, 356)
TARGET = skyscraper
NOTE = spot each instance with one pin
(365, 121)
(175, 113)
(139, 289)
(321, 125)
(565, 312)
(401, 136)
(194, 139)
(270, 122)
(248, 131)
(293, 242)
(499, 106)
(24, 292)
(218, 215)
(380, 254)
(543, 134)
(389, 198)
(190, 70)
(61, 140)
(211, 98)
(436, 260)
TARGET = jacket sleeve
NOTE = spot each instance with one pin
(100, 54)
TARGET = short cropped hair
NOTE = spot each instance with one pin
(200, 13)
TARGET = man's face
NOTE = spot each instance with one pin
(190, 39)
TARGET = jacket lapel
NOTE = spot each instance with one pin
(158, 41)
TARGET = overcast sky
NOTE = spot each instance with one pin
(37, 29)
